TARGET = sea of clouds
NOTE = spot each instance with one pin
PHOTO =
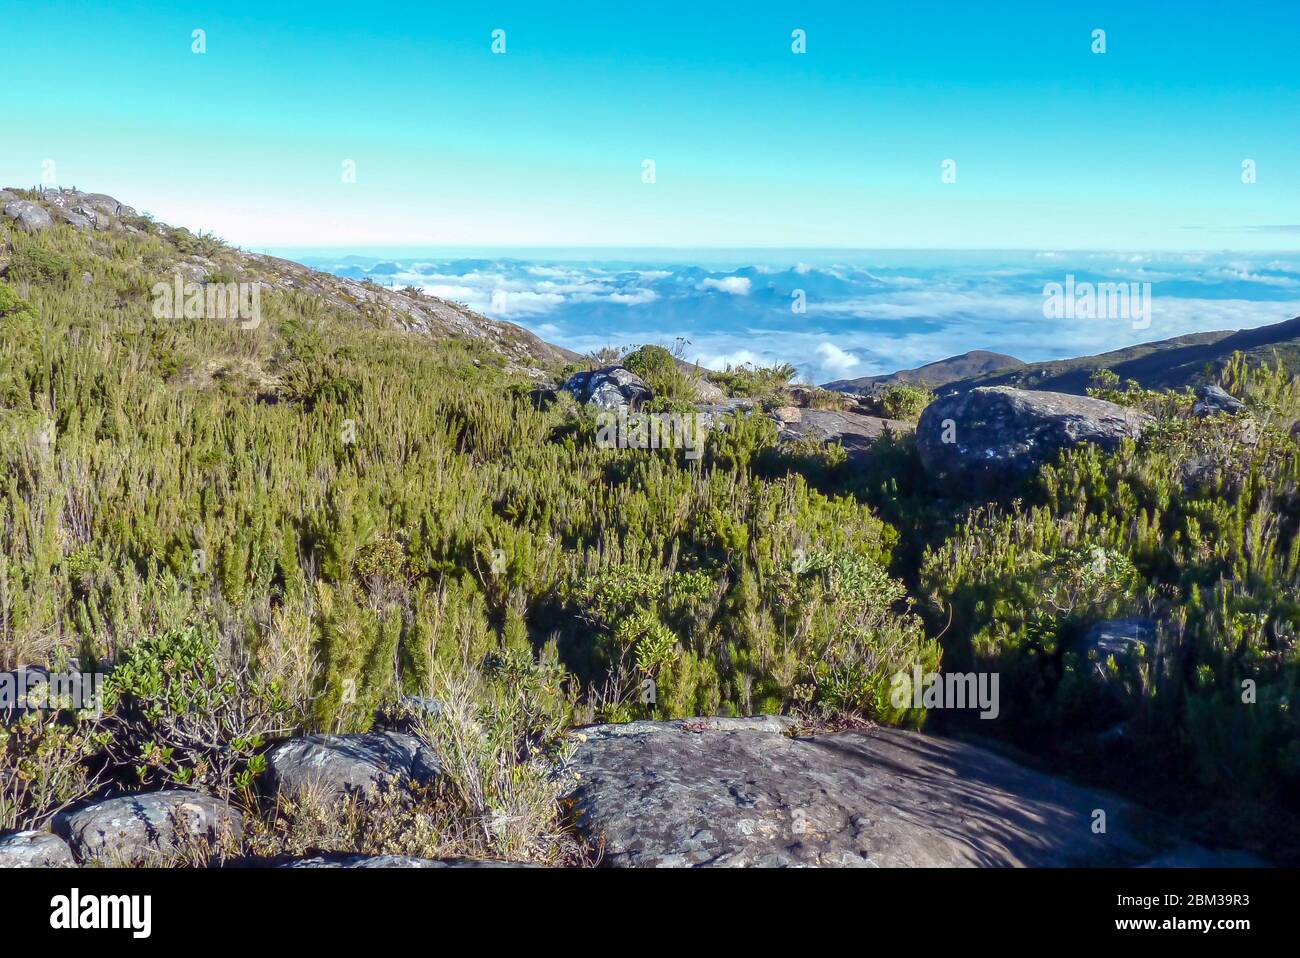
(863, 313)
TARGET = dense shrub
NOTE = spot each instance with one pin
(45, 765)
(904, 401)
(1194, 527)
(663, 372)
(184, 711)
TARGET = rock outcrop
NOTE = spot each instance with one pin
(743, 792)
(1214, 399)
(994, 436)
(854, 431)
(410, 310)
(327, 766)
(609, 388)
(35, 850)
(145, 829)
(28, 216)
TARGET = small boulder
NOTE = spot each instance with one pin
(609, 388)
(28, 216)
(993, 436)
(712, 414)
(1118, 637)
(787, 414)
(145, 829)
(707, 392)
(331, 765)
(1211, 400)
(35, 850)
(78, 219)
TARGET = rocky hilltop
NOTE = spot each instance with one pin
(202, 257)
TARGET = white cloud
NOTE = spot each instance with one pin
(836, 362)
(735, 285)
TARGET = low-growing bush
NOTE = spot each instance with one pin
(46, 765)
(185, 711)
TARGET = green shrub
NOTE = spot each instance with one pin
(904, 401)
(44, 768)
(767, 383)
(183, 710)
(663, 373)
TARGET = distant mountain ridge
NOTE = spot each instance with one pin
(1162, 364)
(977, 362)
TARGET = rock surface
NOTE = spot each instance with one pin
(143, 829)
(35, 850)
(395, 861)
(1213, 399)
(996, 435)
(854, 431)
(1118, 637)
(743, 792)
(28, 216)
(707, 392)
(330, 765)
(609, 388)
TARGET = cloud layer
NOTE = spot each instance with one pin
(840, 315)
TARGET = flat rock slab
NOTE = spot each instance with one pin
(742, 792)
(144, 829)
(331, 765)
(854, 431)
(35, 850)
(396, 861)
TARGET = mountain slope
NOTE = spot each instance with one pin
(1168, 363)
(977, 362)
(203, 257)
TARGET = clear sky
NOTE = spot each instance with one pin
(1056, 147)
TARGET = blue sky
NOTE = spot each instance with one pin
(1056, 147)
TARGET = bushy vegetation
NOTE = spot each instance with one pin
(904, 401)
(283, 529)
(664, 372)
(300, 526)
(765, 383)
(1194, 528)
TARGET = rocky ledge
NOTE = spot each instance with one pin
(746, 792)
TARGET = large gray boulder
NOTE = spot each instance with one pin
(148, 828)
(609, 388)
(743, 792)
(327, 766)
(28, 216)
(996, 435)
(35, 850)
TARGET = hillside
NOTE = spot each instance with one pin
(373, 532)
(977, 362)
(1164, 364)
(199, 258)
